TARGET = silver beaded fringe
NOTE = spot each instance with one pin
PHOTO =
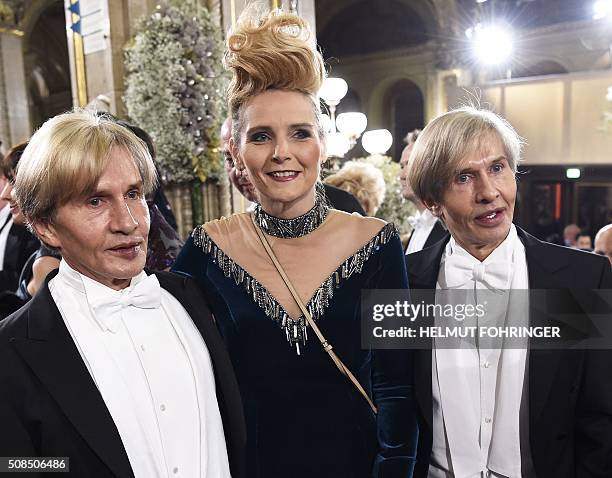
(295, 330)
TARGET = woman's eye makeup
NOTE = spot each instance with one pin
(302, 133)
(258, 137)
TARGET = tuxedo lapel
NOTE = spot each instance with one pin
(545, 268)
(408, 241)
(437, 234)
(544, 272)
(11, 251)
(423, 268)
(53, 357)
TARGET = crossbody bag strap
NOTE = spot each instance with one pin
(326, 345)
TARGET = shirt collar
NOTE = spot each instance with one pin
(423, 219)
(91, 289)
(427, 218)
(502, 253)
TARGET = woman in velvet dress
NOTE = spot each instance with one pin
(304, 418)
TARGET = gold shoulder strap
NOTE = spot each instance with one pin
(326, 345)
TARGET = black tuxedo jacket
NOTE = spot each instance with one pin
(342, 200)
(570, 391)
(438, 233)
(50, 406)
(20, 245)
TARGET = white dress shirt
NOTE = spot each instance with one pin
(477, 392)
(422, 223)
(6, 222)
(153, 371)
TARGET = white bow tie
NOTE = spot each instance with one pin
(460, 271)
(144, 295)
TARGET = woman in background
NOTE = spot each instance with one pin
(304, 418)
(364, 181)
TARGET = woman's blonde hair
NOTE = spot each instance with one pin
(273, 50)
(364, 181)
(446, 140)
(66, 157)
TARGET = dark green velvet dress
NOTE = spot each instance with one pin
(304, 419)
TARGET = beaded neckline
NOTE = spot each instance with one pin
(296, 330)
(294, 227)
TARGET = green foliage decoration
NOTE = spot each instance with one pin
(175, 89)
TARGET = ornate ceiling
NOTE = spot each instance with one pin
(349, 27)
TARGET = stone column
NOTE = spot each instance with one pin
(104, 68)
(14, 112)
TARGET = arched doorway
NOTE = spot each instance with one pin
(404, 107)
(361, 38)
(47, 66)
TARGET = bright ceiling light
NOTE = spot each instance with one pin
(492, 44)
(333, 90)
(351, 124)
(377, 141)
(602, 9)
(469, 32)
(326, 122)
(337, 145)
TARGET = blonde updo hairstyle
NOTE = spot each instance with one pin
(272, 50)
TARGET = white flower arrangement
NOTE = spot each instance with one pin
(175, 89)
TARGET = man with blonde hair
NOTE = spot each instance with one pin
(122, 372)
(502, 412)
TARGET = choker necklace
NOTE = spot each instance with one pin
(295, 227)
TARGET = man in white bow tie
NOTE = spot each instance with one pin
(122, 372)
(505, 412)
(426, 228)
